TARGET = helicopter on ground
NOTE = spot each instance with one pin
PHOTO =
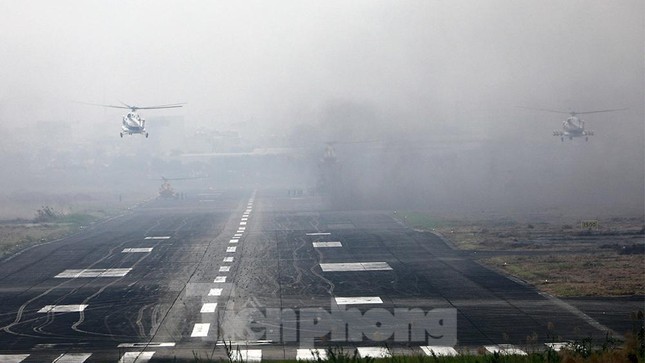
(132, 122)
(573, 126)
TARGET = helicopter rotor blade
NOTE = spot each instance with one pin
(102, 105)
(546, 109)
(174, 105)
(599, 111)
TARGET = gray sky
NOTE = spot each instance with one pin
(431, 68)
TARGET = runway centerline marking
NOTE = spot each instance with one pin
(431, 350)
(358, 300)
(234, 240)
(311, 354)
(158, 237)
(228, 259)
(200, 330)
(63, 308)
(241, 229)
(215, 292)
(242, 223)
(137, 250)
(374, 352)
(13, 358)
(244, 219)
(355, 266)
(138, 357)
(224, 268)
(231, 249)
(208, 308)
(318, 234)
(145, 345)
(93, 272)
(327, 244)
(72, 358)
(237, 235)
(220, 279)
(504, 349)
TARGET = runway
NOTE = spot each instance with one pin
(172, 278)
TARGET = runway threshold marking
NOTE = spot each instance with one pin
(224, 268)
(200, 330)
(242, 223)
(138, 357)
(158, 237)
(311, 354)
(93, 272)
(63, 308)
(318, 234)
(374, 352)
(220, 279)
(208, 308)
(246, 355)
(231, 249)
(431, 350)
(136, 250)
(146, 345)
(72, 358)
(215, 292)
(355, 266)
(234, 240)
(327, 244)
(504, 349)
(358, 300)
(241, 229)
(13, 358)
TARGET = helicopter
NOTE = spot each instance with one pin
(573, 126)
(132, 122)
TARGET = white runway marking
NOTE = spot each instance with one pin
(244, 219)
(242, 223)
(215, 292)
(327, 244)
(224, 268)
(228, 259)
(246, 355)
(220, 279)
(158, 237)
(237, 235)
(136, 357)
(136, 250)
(311, 354)
(62, 308)
(145, 345)
(439, 350)
(241, 229)
(318, 234)
(72, 358)
(245, 215)
(208, 308)
(234, 240)
(558, 346)
(358, 300)
(355, 266)
(231, 249)
(374, 352)
(248, 211)
(93, 272)
(505, 349)
(13, 358)
(200, 330)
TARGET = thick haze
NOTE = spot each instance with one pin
(434, 85)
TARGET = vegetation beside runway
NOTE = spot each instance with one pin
(558, 257)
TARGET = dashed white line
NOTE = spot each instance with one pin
(242, 223)
(145, 345)
(158, 237)
(96, 272)
(431, 350)
(13, 358)
(215, 292)
(234, 240)
(374, 352)
(231, 249)
(224, 268)
(504, 349)
(327, 244)
(358, 300)
(63, 308)
(136, 250)
(200, 330)
(72, 358)
(220, 279)
(228, 259)
(241, 229)
(208, 308)
(237, 235)
(246, 355)
(311, 354)
(355, 266)
(318, 234)
(138, 357)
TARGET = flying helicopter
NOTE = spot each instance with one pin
(573, 126)
(132, 122)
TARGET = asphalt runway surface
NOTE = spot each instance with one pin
(175, 278)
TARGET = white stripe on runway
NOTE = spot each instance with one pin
(246, 355)
(242, 223)
(208, 308)
(311, 354)
(241, 229)
(13, 358)
(234, 240)
(72, 358)
(358, 300)
(136, 357)
(200, 330)
(504, 349)
(231, 249)
(237, 235)
(374, 352)
(326, 244)
(96, 272)
(136, 250)
(63, 308)
(220, 279)
(215, 292)
(558, 346)
(318, 234)
(158, 237)
(145, 345)
(228, 259)
(224, 268)
(355, 266)
(431, 350)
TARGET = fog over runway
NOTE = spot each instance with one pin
(171, 277)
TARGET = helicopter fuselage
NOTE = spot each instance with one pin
(573, 127)
(133, 124)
